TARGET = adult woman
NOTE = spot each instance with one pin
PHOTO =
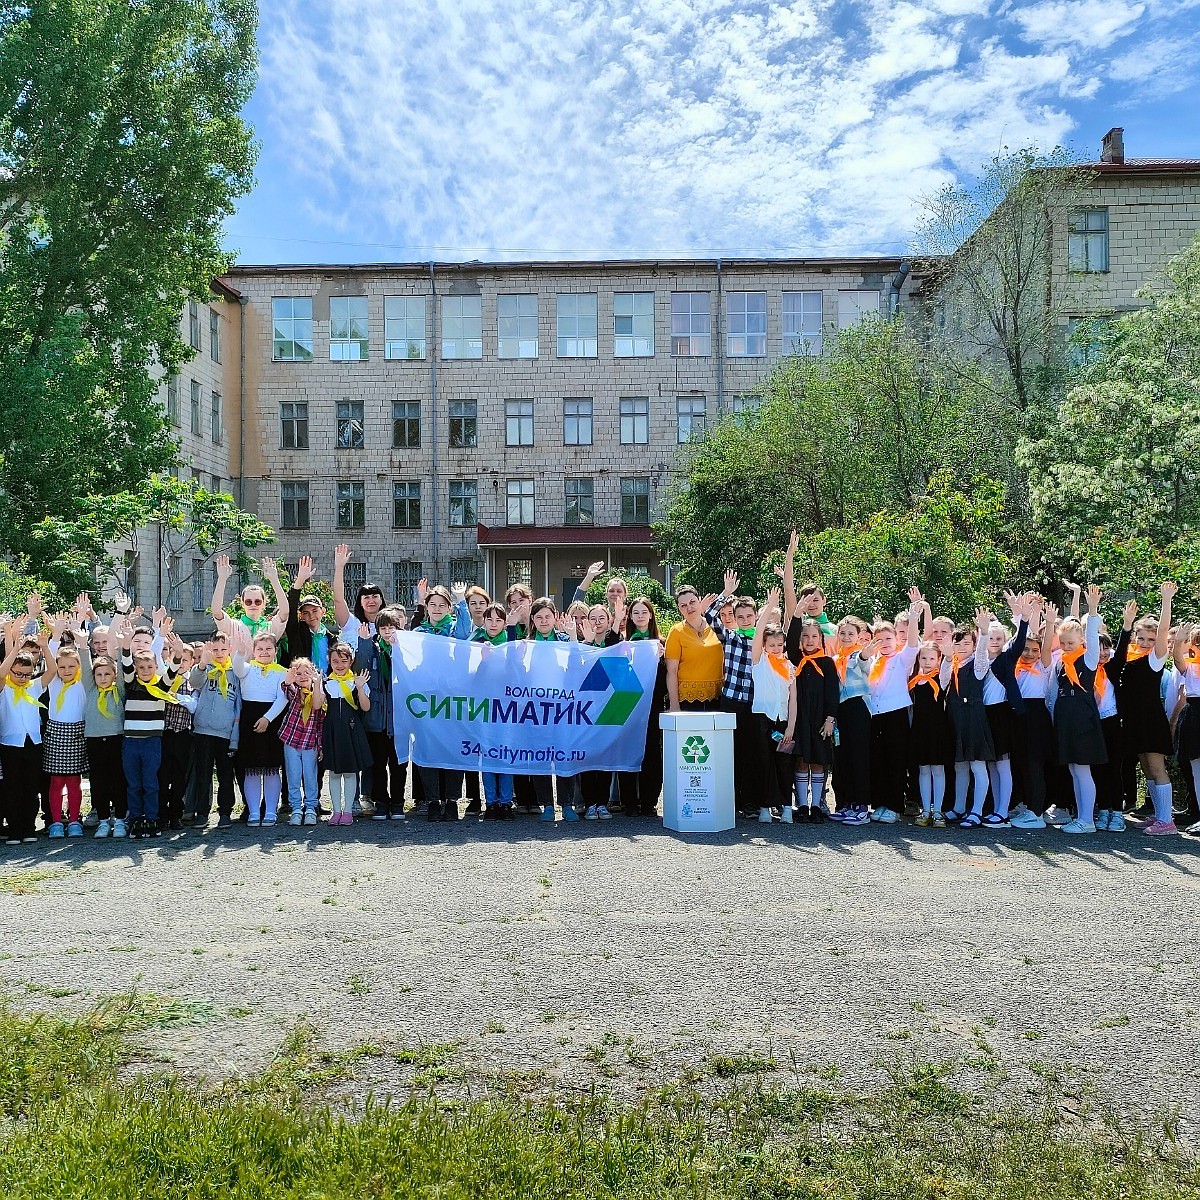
(640, 790)
(368, 604)
(694, 656)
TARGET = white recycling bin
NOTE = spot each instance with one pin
(698, 771)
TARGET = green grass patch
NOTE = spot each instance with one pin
(730, 1066)
(136, 1011)
(26, 883)
(72, 1126)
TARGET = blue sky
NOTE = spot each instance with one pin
(461, 129)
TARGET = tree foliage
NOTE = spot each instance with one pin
(105, 535)
(16, 584)
(640, 584)
(121, 152)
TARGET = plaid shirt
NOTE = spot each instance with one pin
(294, 731)
(737, 684)
(178, 718)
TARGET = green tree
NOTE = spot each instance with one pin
(121, 152)
(1114, 473)
(639, 584)
(16, 584)
(859, 429)
(107, 533)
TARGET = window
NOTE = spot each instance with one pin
(293, 505)
(520, 570)
(635, 500)
(406, 504)
(193, 325)
(350, 425)
(351, 504)
(348, 340)
(856, 305)
(197, 477)
(173, 400)
(691, 336)
(1084, 340)
(745, 402)
(633, 325)
(518, 422)
(576, 325)
(635, 420)
(217, 422)
(463, 423)
(218, 485)
(747, 312)
(354, 578)
(1087, 241)
(406, 424)
(463, 503)
(517, 326)
(802, 322)
(462, 327)
(293, 425)
(577, 422)
(292, 321)
(199, 601)
(404, 326)
(690, 417)
(214, 335)
(465, 569)
(195, 408)
(520, 501)
(580, 502)
(405, 576)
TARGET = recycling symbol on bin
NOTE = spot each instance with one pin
(695, 750)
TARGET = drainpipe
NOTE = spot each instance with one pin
(720, 347)
(241, 496)
(435, 426)
(895, 286)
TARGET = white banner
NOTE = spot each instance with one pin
(525, 708)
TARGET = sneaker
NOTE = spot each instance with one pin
(450, 811)
(348, 818)
(92, 820)
(1102, 819)
(764, 816)
(224, 821)
(856, 816)
(268, 823)
(786, 815)
(939, 820)
(507, 813)
(75, 829)
(885, 816)
(602, 813)
(1027, 820)
(379, 816)
(1078, 826)
(296, 818)
(1194, 830)
(1018, 810)
(175, 824)
(29, 841)
(119, 829)
(1055, 816)
(547, 814)
(1116, 823)
(839, 815)
(254, 822)
(590, 814)
(103, 829)
(396, 815)
(1143, 812)
(200, 821)
(923, 819)
(310, 816)
(1157, 828)
(433, 813)
(57, 830)
(569, 813)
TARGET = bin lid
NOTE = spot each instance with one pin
(688, 722)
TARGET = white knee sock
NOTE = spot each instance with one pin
(271, 788)
(817, 782)
(801, 781)
(1085, 793)
(1160, 794)
(252, 790)
(979, 772)
(349, 790)
(962, 779)
(335, 791)
(926, 782)
(1002, 786)
(939, 786)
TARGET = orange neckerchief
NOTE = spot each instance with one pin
(1023, 667)
(1068, 665)
(878, 667)
(840, 659)
(955, 661)
(1100, 684)
(814, 659)
(929, 677)
(780, 664)
(1134, 653)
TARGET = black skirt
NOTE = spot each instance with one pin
(1000, 722)
(931, 740)
(344, 746)
(1077, 729)
(258, 751)
(972, 733)
(1144, 723)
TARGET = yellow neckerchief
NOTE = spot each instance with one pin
(306, 707)
(265, 669)
(220, 672)
(152, 686)
(102, 696)
(62, 691)
(345, 681)
(21, 692)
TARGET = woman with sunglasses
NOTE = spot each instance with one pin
(254, 601)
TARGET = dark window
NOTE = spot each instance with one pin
(463, 422)
(293, 424)
(350, 425)
(406, 500)
(293, 505)
(406, 424)
(635, 501)
(351, 504)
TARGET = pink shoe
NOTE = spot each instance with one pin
(348, 819)
(334, 819)
(1160, 827)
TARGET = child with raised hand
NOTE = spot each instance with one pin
(1110, 791)
(1187, 713)
(64, 738)
(104, 726)
(887, 681)
(817, 698)
(1001, 698)
(302, 734)
(254, 601)
(218, 691)
(1033, 730)
(774, 707)
(175, 773)
(931, 738)
(1145, 728)
(260, 752)
(497, 786)
(852, 741)
(1072, 699)
(344, 747)
(21, 731)
(973, 746)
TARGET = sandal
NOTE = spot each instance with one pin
(970, 821)
(993, 821)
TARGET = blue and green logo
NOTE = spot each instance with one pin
(617, 677)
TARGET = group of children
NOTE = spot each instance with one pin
(982, 724)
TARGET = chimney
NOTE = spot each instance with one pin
(1112, 148)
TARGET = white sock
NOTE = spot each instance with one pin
(1002, 786)
(817, 781)
(979, 771)
(962, 778)
(252, 790)
(1085, 793)
(1161, 795)
(271, 789)
(939, 786)
(926, 783)
(335, 792)
(349, 791)
(801, 781)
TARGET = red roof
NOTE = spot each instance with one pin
(1146, 165)
(565, 535)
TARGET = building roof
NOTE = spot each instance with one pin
(1146, 166)
(564, 535)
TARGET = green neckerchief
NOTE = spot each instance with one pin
(442, 628)
(385, 658)
(639, 635)
(747, 633)
(256, 625)
(520, 630)
(546, 637)
(499, 640)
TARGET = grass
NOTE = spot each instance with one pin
(73, 1125)
(26, 883)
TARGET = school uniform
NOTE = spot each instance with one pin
(852, 741)
(1144, 723)
(640, 790)
(1033, 746)
(772, 695)
(215, 725)
(64, 749)
(1071, 692)
(104, 730)
(20, 757)
(141, 751)
(887, 681)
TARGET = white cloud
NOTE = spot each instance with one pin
(1091, 23)
(559, 126)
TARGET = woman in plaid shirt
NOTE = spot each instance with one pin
(303, 724)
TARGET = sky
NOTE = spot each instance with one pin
(405, 130)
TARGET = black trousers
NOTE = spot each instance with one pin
(889, 758)
(211, 753)
(389, 775)
(747, 761)
(776, 770)
(852, 755)
(106, 774)
(174, 774)
(640, 790)
(20, 790)
(441, 786)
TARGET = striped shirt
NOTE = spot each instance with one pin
(145, 715)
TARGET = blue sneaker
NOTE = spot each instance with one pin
(569, 813)
(75, 829)
(56, 830)
(547, 814)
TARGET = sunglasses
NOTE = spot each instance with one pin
(256, 603)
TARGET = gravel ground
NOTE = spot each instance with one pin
(618, 955)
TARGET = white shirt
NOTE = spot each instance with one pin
(355, 629)
(72, 710)
(770, 690)
(262, 685)
(20, 721)
(1191, 681)
(1032, 683)
(891, 692)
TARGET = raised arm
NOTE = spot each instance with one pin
(1049, 623)
(341, 610)
(224, 570)
(1091, 628)
(788, 576)
(279, 620)
(983, 622)
(764, 613)
(1162, 642)
(593, 573)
